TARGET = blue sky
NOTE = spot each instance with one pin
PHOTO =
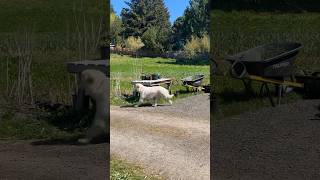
(176, 7)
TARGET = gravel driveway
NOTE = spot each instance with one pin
(273, 143)
(20, 160)
(169, 141)
(192, 107)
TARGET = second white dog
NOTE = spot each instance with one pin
(153, 94)
(96, 86)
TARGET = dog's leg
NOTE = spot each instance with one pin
(98, 128)
(170, 101)
(99, 125)
(155, 102)
(139, 103)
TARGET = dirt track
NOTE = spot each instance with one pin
(24, 160)
(273, 143)
(170, 141)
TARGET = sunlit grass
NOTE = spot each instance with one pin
(123, 67)
(121, 170)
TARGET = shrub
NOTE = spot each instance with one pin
(196, 46)
(134, 43)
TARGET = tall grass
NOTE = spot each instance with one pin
(19, 56)
(33, 64)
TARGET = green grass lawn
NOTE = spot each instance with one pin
(126, 69)
(121, 170)
(236, 31)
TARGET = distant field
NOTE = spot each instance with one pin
(126, 69)
(236, 31)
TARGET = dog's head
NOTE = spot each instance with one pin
(139, 87)
(91, 81)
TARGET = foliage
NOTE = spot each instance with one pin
(194, 22)
(115, 28)
(142, 15)
(154, 39)
(197, 45)
(134, 43)
(179, 34)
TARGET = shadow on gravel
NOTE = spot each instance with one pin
(143, 105)
(56, 142)
(229, 96)
(71, 141)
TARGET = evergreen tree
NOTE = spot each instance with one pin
(142, 15)
(179, 34)
(194, 22)
(115, 27)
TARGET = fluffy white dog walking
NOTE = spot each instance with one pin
(96, 86)
(154, 94)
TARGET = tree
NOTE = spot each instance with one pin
(152, 39)
(115, 27)
(141, 15)
(194, 22)
(179, 34)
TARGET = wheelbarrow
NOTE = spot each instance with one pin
(269, 64)
(269, 60)
(193, 82)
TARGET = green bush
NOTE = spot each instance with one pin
(134, 43)
(196, 46)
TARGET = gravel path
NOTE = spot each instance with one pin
(22, 160)
(170, 141)
(192, 107)
(273, 143)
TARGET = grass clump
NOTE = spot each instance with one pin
(121, 170)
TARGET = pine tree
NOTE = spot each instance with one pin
(194, 22)
(142, 15)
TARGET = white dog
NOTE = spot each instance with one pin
(95, 84)
(154, 93)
